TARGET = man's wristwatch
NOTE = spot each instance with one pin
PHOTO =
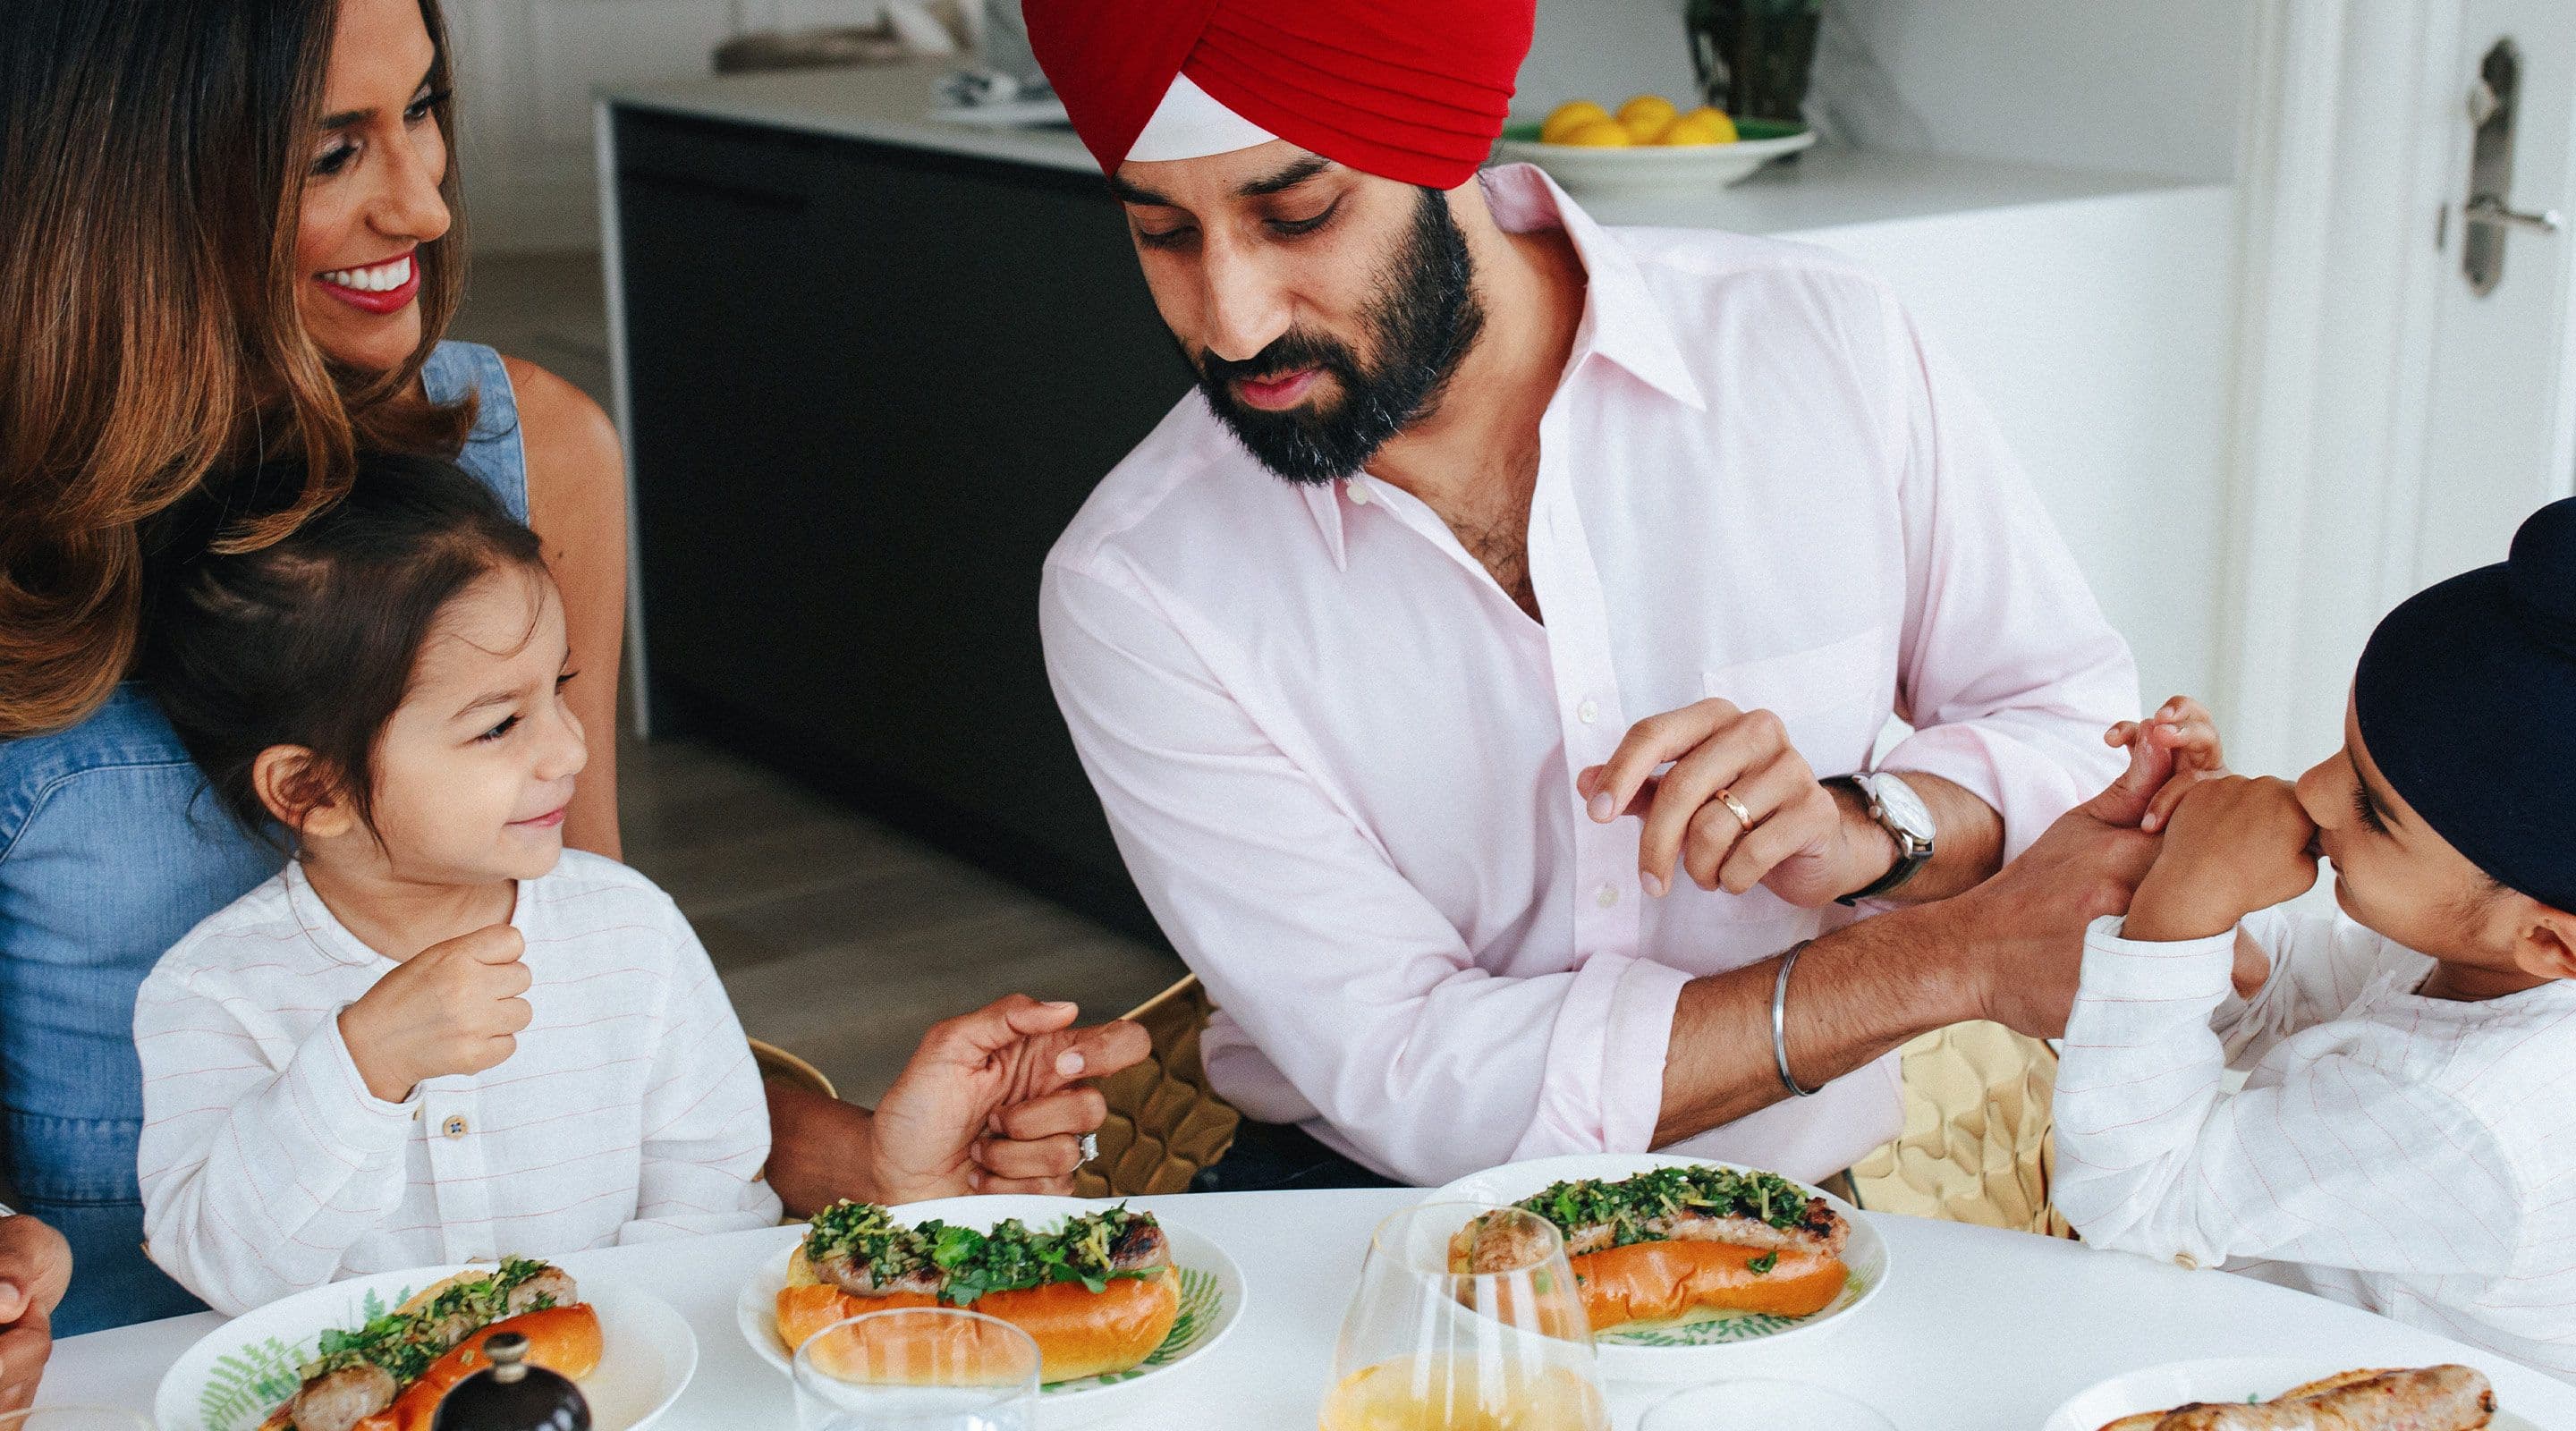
(1907, 820)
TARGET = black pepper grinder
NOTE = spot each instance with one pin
(512, 1395)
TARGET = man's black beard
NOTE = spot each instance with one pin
(1420, 328)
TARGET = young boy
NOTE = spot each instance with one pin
(2406, 1139)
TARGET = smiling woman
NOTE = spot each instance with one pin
(232, 235)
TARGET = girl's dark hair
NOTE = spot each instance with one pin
(311, 640)
(153, 159)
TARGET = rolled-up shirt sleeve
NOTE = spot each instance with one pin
(1353, 985)
(2008, 672)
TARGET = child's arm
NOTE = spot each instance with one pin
(257, 1175)
(2339, 1163)
(706, 1119)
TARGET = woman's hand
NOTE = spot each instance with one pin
(2184, 729)
(35, 1267)
(996, 1101)
(2235, 845)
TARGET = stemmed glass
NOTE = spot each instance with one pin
(1429, 1345)
(918, 1369)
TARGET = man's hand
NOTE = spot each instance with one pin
(994, 1101)
(1800, 843)
(2236, 845)
(35, 1267)
(2186, 731)
(2029, 919)
(454, 1007)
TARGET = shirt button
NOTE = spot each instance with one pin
(1359, 494)
(1607, 896)
(1587, 712)
(2186, 1262)
(454, 1127)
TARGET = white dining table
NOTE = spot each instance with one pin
(1974, 1329)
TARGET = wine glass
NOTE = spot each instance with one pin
(1467, 1318)
(918, 1369)
(1762, 1404)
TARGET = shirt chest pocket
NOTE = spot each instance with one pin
(1834, 698)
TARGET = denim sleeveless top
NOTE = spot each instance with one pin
(111, 849)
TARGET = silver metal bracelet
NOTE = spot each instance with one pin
(1780, 1018)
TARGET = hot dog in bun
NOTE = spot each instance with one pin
(1676, 1242)
(389, 1374)
(1097, 1295)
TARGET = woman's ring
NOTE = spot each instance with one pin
(1090, 1146)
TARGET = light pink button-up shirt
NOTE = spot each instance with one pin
(1340, 761)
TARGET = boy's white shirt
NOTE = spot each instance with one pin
(2408, 1155)
(631, 1108)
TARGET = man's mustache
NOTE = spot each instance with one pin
(1285, 354)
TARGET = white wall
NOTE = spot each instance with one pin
(2138, 86)
(2095, 332)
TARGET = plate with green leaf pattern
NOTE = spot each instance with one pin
(1709, 1344)
(241, 1371)
(1212, 1301)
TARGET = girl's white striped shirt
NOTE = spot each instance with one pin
(2412, 1156)
(630, 1110)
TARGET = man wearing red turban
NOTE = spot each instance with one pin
(1563, 506)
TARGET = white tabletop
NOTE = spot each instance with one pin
(1975, 1330)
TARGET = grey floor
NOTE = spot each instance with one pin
(837, 937)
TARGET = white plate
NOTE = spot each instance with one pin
(1212, 1299)
(1586, 170)
(2161, 1388)
(241, 1371)
(1693, 1351)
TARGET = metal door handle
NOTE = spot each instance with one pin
(2491, 210)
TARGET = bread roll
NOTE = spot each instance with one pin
(1665, 1281)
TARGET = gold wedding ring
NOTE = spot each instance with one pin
(1735, 807)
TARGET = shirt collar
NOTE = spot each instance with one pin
(1621, 320)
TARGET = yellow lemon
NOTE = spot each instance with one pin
(1598, 134)
(1700, 126)
(1645, 116)
(1566, 118)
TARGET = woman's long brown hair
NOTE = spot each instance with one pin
(152, 167)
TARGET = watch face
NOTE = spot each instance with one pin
(1904, 810)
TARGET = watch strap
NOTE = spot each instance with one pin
(1911, 854)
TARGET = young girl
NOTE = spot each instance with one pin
(436, 1035)
(2406, 1138)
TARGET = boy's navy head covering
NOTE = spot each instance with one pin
(2466, 697)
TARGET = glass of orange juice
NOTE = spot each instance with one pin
(1467, 1319)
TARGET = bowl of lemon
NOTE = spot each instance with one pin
(1648, 143)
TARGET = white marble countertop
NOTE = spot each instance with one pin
(1826, 188)
(1975, 1330)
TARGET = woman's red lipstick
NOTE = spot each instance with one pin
(343, 284)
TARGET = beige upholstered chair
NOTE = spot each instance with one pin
(1165, 1123)
(1976, 1141)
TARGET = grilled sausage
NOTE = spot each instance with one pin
(340, 1400)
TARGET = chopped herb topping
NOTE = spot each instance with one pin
(405, 1343)
(863, 1232)
(975, 1264)
(1761, 1266)
(1631, 1206)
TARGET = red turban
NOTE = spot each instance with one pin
(1414, 90)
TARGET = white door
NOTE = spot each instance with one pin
(2501, 419)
